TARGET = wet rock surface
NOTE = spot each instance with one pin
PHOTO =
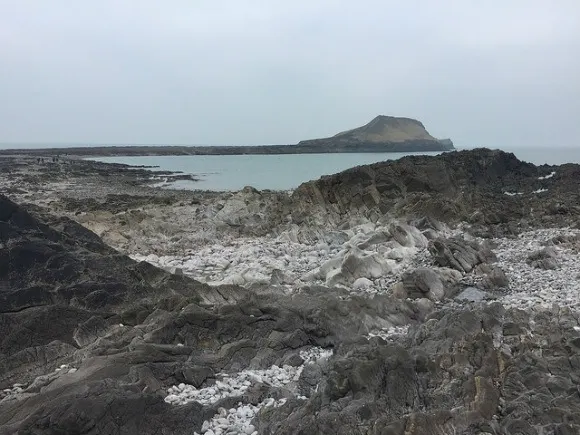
(437, 304)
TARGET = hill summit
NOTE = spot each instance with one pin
(384, 133)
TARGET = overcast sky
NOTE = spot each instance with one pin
(485, 73)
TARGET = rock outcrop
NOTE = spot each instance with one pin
(482, 187)
(92, 340)
(486, 371)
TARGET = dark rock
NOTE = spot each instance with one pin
(546, 258)
(452, 378)
(423, 283)
(130, 330)
(460, 254)
(452, 187)
(493, 276)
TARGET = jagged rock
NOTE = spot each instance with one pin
(408, 236)
(459, 374)
(452, 187)
(124, 331)
(460, 254)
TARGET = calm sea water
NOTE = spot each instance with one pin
(288, 171)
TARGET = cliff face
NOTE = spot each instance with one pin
(384, 133)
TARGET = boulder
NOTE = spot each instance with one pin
(355, 265)
(428, 283)
(493, 276)
(460, 254)
(545, 258)
(362, 283)
(423, 282)
(471, 294)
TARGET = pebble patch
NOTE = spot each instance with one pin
(533, 288)
(238, 420)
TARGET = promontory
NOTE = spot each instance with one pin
(382, 134)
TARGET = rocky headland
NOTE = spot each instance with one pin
(429, 295)
(382, 134)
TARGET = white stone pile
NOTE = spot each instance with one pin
(233, 386)
(238, 420)
(12, 393)
(18, 390)
(545, 177)
(532, 288)
(390, 333)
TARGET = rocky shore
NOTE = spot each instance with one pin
(429, 295)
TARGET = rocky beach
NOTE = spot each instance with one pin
(429, 295)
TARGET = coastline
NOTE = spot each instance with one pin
(420, 271)
(136, 150)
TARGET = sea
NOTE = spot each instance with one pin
(288, 171)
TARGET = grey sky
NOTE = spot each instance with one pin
(494, 73)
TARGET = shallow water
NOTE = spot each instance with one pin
(276, 172)
(288, 171)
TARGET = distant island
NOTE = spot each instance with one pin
(382, 134)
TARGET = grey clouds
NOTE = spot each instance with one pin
(494, 73)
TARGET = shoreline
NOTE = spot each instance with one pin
(151, 150)
(456, 281)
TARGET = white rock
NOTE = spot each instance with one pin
(362, 283)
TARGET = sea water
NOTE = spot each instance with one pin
(288, 171)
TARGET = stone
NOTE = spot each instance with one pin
(423, 282)
(546, 258)
(471, 294)
(362, 283)
(460, 254)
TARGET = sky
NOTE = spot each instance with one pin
(485, 73)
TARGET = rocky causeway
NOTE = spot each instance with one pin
(429, 295)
